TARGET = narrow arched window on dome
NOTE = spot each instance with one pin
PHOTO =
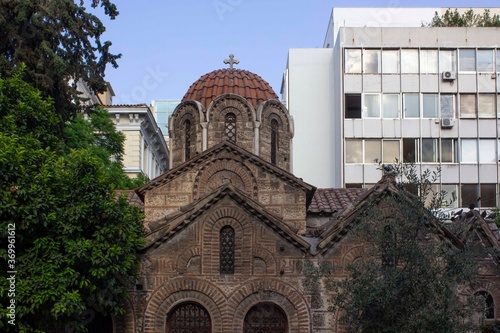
(187, 140)
(230, 126)
(226, 250)
(274, 141)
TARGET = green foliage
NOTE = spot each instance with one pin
(56, 41)
(23, 111)
(98, 134)
(76, 242)
(453, 18)
(410, 276)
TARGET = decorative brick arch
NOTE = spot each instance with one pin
(184, 258)
(352, 254)
(194, 108)
(290, 300)
(244, 121)
(240, 222)
(274, 109)
(216, 113)
(238, 173)
(268, 259)
(180, 290)
(194, 112)
(275, 148)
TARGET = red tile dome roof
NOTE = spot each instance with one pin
(230, 81)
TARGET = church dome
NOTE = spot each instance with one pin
(230, 81)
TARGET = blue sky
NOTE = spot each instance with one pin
(166, 45)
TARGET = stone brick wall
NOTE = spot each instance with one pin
(276, 194)
(185, 112)
(245, 119)
(267, 268)
(275, 110)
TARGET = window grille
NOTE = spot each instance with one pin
(187, 140)
(230, 127)
(189, 318)
(274, 140)
(265, 318)
(227, 245)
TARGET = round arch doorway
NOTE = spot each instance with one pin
(189, 318)
(265, 317)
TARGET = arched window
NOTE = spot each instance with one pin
(187, 140)
(488, 305)
(227, 250)
(189, 318)
(274, 140)
(230, 126)
(265, 318)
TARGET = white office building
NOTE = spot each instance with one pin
(397, 90)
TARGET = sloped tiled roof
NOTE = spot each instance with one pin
(230, 81)
(331, 200)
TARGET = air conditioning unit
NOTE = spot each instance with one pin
(449, 75)
(447, 123)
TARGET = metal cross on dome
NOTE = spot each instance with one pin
(231, 61)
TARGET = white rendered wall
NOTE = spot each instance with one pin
(377, 17)
(310, 102)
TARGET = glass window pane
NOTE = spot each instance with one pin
(447, 106)
(390, 151)
(409, 61)
(430, 106)
(487, 151)
(498, 60)
(429, 150)
(498, 104)
(450, 197)
(352, 61)
(468, 151)
(353, 151)
(372, 151)
(447, 60)
(372, 105)
(486, 105)
(353, 106)
(489, 195)
(448, 154)
(390, 105)
(390, 61)
(371, 61)
(469, 194)
(498, 150)
(468, 105)
(409, 150)
(412, 105)
(485, 61)
(428, 61)
(467, 60)
(432, 191)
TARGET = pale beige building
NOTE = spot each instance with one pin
(145, 150)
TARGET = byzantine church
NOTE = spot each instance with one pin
(231, 232)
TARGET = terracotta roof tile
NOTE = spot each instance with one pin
(230, 81)
(331, 200)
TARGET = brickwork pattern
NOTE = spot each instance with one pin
(275, 110)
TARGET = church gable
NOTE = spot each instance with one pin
(276, 190)
(223, 234)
